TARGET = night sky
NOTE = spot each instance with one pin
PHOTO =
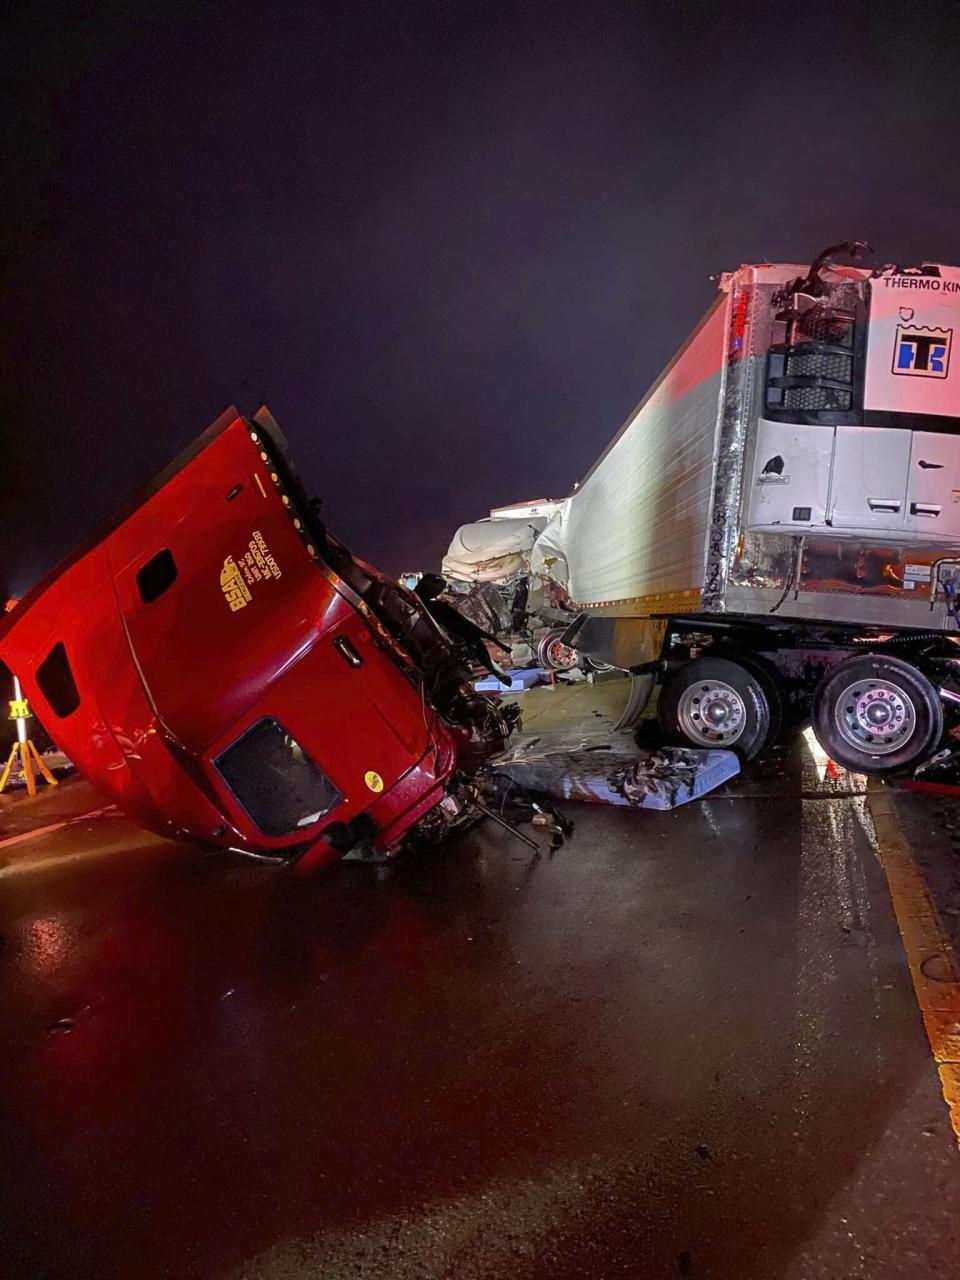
(449, 246)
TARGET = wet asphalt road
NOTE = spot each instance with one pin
(686, 1044)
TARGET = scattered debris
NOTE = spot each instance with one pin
(501, 821)
(673, 776)
(514, 681)
(834, 772)
(472, 637)
(603, 770)
(511, 798)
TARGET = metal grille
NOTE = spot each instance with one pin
(819, 364)
(824, 324)
(816, 399)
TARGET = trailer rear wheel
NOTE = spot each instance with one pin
(554, 655)
(877, 714)
(713, 702)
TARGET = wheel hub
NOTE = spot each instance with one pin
(716, 713)
(712, 713)
(875, 716)
(562, 656)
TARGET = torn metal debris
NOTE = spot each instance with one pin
(609, 769)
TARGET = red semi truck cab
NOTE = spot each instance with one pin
(221, 667)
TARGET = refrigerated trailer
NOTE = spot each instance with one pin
(775, 530)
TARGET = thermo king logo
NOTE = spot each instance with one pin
(924, 353)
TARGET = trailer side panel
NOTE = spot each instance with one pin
(631, 538)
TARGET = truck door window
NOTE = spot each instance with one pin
(156, 575)
(275, 780)
(56, 683)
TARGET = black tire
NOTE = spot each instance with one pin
(722, 684)
(549, 652)
(844, 726)
(768, 678)
(594, 664)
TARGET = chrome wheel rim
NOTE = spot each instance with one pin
(712, 713)
(561, 656)
(875, 716)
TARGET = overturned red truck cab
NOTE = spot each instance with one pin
(216, 662)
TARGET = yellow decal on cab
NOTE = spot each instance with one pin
(235, 590)
(256, 564)
(373, 781)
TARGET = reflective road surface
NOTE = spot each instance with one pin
(685, 1044)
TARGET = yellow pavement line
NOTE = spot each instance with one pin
(932, 961)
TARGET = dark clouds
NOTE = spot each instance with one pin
(449, 246)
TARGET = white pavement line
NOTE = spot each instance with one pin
(56, 826)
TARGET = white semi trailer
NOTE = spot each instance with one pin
(775, 530)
